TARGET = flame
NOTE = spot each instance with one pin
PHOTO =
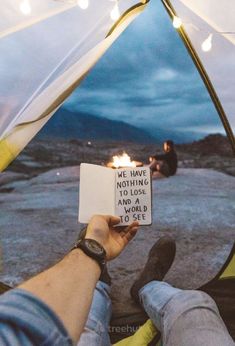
(123, 160)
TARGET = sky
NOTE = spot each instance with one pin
(148, 79)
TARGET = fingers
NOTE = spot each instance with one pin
(127, 229)
(122, 230)
(111, 220)
(115, 220)
(134, 224)
(130, 234)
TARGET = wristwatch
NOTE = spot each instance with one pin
(92, 249)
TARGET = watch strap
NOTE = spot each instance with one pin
(100, 259)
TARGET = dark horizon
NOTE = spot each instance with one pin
(66, 124)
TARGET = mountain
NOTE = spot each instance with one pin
(177, 136)
(69, 125)
(214, 144)
(73, 125)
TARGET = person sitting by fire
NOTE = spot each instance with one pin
(166, 163)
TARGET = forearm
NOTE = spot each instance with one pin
(67, 288)
(159, 157)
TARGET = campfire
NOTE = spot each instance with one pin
(122, 161)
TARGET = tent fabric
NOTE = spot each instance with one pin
(222, 290)
(208, 31)
(47, 48)
(142, 337)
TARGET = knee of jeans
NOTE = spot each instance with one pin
(201, 297)
(184, 302)
(189, 299)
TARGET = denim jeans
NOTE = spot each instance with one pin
(185, 318)
(96, 329)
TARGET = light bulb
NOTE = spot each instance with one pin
(83, 4)
(177, 22)
(207, 44)
(25, 7)
(115, 13)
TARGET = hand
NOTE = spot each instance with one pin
(113, 239)
(150, 159)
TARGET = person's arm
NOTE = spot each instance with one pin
(160, 157)
(67, 288)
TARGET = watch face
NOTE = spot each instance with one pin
(94, 247)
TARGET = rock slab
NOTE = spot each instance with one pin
(38, 223)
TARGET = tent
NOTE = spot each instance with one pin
(48, 47)
(34, 43)
(57, 42)
(208, 32)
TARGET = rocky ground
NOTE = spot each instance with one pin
(39, 203)
(41, 155)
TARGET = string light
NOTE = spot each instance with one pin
(177, 22)
(25, 7)
(115, 13)
(207, 44)
(83, 4)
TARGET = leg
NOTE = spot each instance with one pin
(160, 167)
(163, 168)
(153, 165)
(96, 329)
(184, 317)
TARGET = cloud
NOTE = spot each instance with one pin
(148, 79)
(165, 74)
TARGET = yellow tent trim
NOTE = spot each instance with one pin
(6, 155)
(142, 337)
(134, 10)
(229, 270)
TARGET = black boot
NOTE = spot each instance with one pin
(160, 259)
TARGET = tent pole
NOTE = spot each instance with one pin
(171, 11)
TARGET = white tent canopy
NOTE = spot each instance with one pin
(208, 30)
(48, 46)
